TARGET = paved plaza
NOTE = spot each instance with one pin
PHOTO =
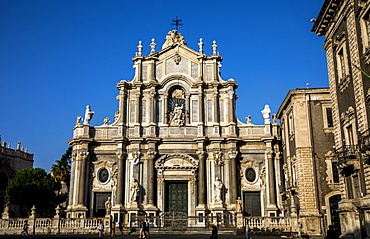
(178, 235)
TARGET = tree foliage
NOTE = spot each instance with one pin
(62, 169)
(35, 187)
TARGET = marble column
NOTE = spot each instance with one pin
(137, 105)
(82, 181)
(165, 108)
(215, 103)
(120, 177)
(187, 107)
(202, 179)
(271, 177)
(231, 105)
(201, 112)
(151, 181)
(72, 180)
(233, 174)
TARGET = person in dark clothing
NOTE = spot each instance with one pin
(142, 230)
(120, 227)
(214, 233)
(146, 230)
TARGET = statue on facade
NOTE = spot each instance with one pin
(135, 189)
(78, 120)
(218, 189)
(177, 116)
(239, 206)
(108, 206)
(6, 206)
(174, 37)
(266, 114)
(88, 115)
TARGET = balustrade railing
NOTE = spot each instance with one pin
(89, 225)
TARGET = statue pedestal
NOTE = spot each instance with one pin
(5, 215)
(239, 220)
(200, 212)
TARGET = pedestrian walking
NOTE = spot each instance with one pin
(214, 233)
(120, 227)
(101, 230)
(142, 230)
(25, 228)
(146, 231)
(246, 230)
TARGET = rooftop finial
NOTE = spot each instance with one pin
(177, 23)
(201, 44)
(139, 49)
(214, 48)
(152, 46)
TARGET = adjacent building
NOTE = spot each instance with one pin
(175, 145)
(311, 190)
(346, 27)
(11, 161)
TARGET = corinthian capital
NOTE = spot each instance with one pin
(152, 154)
(233, 154)
(120, 154)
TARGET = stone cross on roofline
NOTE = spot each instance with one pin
(177, 23)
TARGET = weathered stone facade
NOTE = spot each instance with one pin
(11, 161)
(175, 144)
(345, 25)
(311, 187)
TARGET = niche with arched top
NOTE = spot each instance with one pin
(176, 107)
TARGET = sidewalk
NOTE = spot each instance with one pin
(178, 235)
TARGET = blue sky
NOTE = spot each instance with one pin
(58, 56)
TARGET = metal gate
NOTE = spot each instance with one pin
(174, 221)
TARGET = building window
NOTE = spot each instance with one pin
(356, 187)
(103, 175)
(342, 66)
(365, 31)
(349, 140)
(250, 174)
(329, 117)
(334, 168)
(348, 182)
(290, 124)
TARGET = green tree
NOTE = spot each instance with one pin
(62, 169)
(35, 187)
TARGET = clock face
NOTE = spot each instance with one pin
(103, 175)
(250, 174)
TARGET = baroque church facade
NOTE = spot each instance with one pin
(175, 145)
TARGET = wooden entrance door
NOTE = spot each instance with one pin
(252, 203)
(177, 196)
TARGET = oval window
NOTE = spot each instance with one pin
(250, 174)
(103, 175)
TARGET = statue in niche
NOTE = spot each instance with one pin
(218, 189)
(177, 116)
(135, 189)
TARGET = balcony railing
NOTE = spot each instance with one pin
(348, 157)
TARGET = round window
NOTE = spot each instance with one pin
(250, 174)
(103, 175)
